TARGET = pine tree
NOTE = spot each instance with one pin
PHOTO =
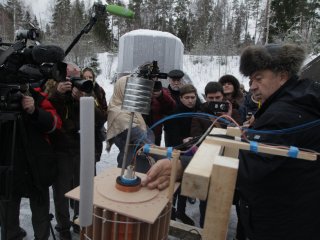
(181, 23)
(61, 26)
(102, 32)
(15, 14)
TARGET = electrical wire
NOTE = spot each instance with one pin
(224, 119)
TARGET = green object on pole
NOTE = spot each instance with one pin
(119, 11)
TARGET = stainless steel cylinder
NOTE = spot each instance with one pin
(137, 95)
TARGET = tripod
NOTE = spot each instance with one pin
(9, 121)
(13, 139)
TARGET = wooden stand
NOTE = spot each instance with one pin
(212, 175)
(119, 215)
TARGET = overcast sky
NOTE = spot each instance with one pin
(42, 8)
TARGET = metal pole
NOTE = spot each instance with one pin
(124, 160)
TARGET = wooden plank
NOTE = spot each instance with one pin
(261, 148)
(222, 185)
(184, 231)
(196, 177)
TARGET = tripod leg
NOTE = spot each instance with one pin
(51, 228)
(3, 219)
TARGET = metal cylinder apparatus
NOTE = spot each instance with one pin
(137, 95)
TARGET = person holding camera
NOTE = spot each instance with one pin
(101, 110)
(66, 143)
(65, 97)
(232, 92)
(217, 105)
(162, 104)
(34, 166)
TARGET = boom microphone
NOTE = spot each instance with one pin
(47, 54)
(113, 9)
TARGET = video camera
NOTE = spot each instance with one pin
(151, 71)
(21, 66)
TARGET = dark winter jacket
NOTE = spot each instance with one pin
(69, 110)
(100, 116)
(33, 165)
(174, 94)
(248, 108)
(179, 128)
(281, 195)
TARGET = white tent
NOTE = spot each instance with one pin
(140, 46)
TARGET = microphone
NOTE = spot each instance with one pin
(113, 9)
(47, 54)
(120, 11)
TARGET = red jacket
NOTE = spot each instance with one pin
(160, 107)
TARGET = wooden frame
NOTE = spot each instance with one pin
(212, 176)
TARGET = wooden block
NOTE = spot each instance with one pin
(196, 177)
(220, 196)
(234, 131)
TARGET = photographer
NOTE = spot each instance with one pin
(101, 108)
(162, 104)
(34, 166)
(66, 143)
(214, 93)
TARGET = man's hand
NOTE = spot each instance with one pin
(64, 87)
(188, 139)
(77, 94)
(159, 175)
(27, 103)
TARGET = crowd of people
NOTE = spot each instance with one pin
(275, 197)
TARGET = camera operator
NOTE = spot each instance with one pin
(162, 104)
(34, 166)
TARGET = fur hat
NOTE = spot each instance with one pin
(275, 57)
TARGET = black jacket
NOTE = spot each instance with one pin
(281, 195)
(32, 165)
(179, 128)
